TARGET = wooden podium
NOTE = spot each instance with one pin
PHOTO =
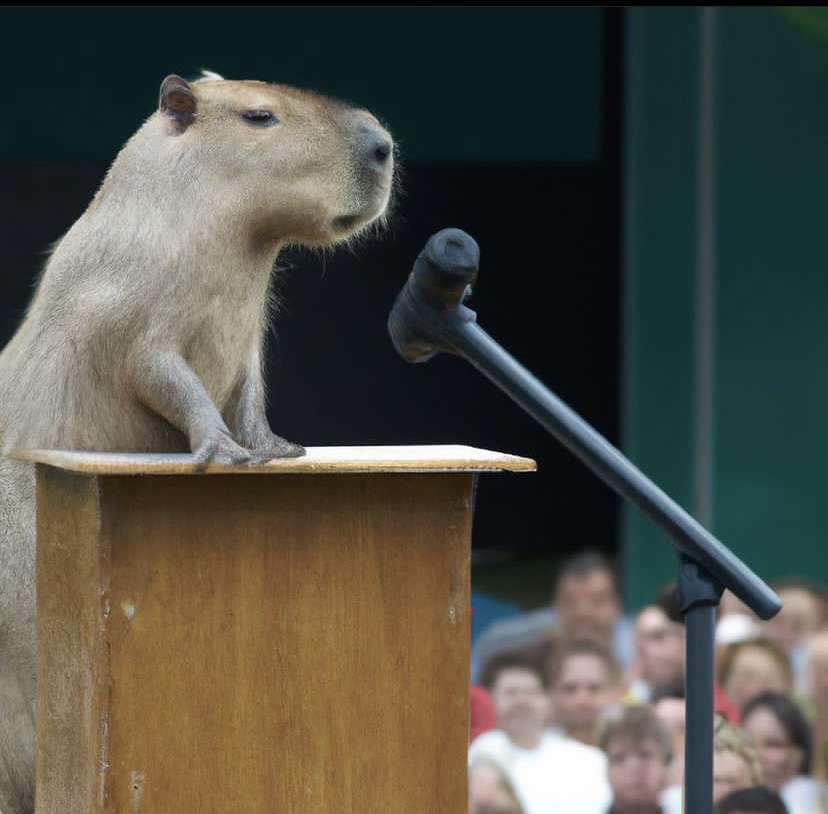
(287, 638)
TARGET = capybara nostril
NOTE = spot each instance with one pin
(382, 151)
(376, 145)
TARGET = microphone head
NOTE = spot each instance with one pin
(430, 305)
(447, 266)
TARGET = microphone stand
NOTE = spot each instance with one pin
(429, 317)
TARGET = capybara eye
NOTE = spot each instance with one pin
(261, 118)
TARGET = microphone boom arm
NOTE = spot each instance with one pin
(429, 317)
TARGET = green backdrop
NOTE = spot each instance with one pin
(766, 327)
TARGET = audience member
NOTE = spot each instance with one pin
(638, 756)
(755, 800)
(735, 760)
(491, 791)
(588, 603)
(550, 773)
(585, 604)
(584, 682)
(783, 740)
(659, 643)
(521, 703)
(660, 651)
(803, 614)
(668, 703)
(753, 667)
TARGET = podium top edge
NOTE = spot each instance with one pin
(317, 460)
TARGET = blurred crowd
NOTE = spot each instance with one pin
(579, 709)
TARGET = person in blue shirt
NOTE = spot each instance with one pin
(586, 604)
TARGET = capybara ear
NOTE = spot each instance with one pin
(177, 100)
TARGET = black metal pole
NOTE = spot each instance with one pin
(699, 595)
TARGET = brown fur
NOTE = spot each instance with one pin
(145, 332)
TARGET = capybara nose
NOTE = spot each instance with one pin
(382, 150)
(376, 147)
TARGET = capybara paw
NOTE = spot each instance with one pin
(278, 447)
(220, 448)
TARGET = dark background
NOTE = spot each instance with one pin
(509, 125)
(532, 128)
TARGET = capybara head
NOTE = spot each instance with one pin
(295, 166)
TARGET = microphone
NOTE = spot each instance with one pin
(428, 311)
(429, 317)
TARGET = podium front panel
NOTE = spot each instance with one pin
(282, 643)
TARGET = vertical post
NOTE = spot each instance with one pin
(699, 594)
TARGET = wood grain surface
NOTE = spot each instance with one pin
(72, 658)
(283, 645)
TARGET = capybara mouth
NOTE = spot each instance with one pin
(345, 223)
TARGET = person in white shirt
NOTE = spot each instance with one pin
(490, 790)
(584, 685)
(551, 774)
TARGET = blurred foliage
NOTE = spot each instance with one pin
(811, 20)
